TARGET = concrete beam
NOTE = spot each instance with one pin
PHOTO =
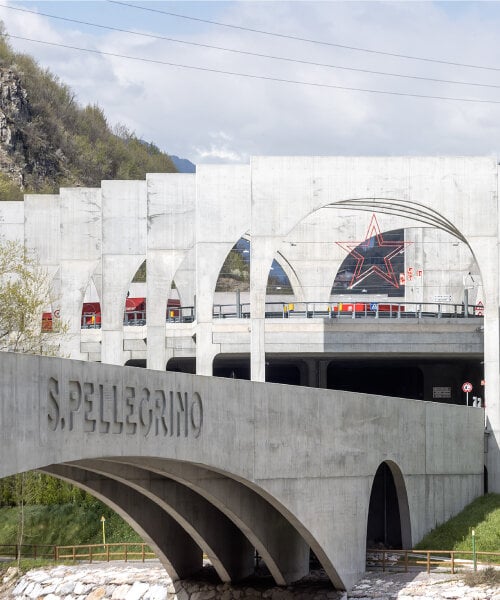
(180, 555)
(228, 550)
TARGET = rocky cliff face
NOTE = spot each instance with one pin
(14, 110)
(18, 128)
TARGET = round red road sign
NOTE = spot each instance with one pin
(467, 387)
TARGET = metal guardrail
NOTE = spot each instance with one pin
(353, 310)
(309, 310)
(418, 560)
(180, 314)
(126, 551)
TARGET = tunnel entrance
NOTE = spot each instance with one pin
(384, 519)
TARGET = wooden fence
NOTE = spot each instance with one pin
(86, 553)
(408, 560)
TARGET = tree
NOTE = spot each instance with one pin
(25, 293)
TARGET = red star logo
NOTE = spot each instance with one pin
(386, 272)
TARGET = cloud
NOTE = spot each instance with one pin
(205, 116)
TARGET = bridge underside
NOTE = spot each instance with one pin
(185, 511)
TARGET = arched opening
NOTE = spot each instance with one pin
(235, 272)
(91, 309)
(278, 283)
(388, 514)
(232, 290)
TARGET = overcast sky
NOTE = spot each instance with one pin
(212, 117)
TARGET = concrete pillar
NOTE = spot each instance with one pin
(222, 217)
(308, 372)
(228, 550)
(262, 252)
(171, 200)
(175, 549)
(486, 251)
(323, 373)
(124, 235)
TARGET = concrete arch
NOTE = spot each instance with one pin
(402, 500)
(228, 550)
(409, 210)
(179, 554)
(282, 548)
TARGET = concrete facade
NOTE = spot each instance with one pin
(201, 464)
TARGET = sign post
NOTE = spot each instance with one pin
(467, 387)
(103, 520)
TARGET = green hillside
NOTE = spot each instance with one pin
(482, 515)
(52, 141)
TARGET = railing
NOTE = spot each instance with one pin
(309, 310)
(353, 310)
(36, 551)
(408, 560)
(104, 552)
(137, 551)
(181, 314)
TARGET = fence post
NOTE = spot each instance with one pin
(142, 550)
(126, 552)
(428, 561)
(74, 554)
(452, 562)
(383, 561)
(406, 561)
(107, 552)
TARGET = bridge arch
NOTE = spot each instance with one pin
(223, 515)
(155, 526)
(388, 519)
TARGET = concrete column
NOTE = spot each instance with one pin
(159, 281)
(176, 550)
(124, 235)
(222, 217)
(262, 252)
(170, 200)
(323, 373)
(486, 250)
(308, 374)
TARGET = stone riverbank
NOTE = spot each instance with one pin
(149, 581)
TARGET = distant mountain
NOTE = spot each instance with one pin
(183, 165)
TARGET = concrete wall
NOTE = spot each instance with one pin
(285, 468)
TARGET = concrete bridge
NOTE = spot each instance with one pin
(223, 466)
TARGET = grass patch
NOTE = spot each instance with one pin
(64, 524)
(483, 515)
